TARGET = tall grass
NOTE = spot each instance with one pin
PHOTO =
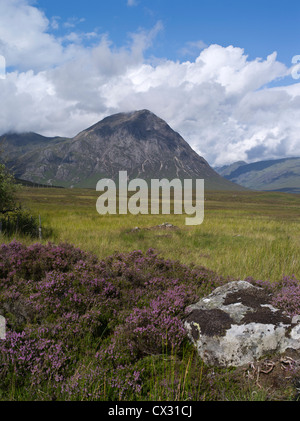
(243, 234)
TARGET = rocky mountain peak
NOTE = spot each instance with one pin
(138, 142)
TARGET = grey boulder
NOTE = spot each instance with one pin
(236, 325)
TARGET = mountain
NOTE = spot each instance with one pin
(228, 169)
(272, 175)
(139, 142)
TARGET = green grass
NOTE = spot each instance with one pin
(243, 233)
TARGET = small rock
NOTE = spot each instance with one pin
(135, 229)
(2, 327)
(166, 225)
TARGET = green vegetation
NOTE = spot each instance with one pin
(13, 217)
(7, 190)
(243, 233)
(96, 339)
(273, 175)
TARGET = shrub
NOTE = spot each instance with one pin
(63, 306)
(286, 293)
(20, 221)
(7, 190)
(82, 328)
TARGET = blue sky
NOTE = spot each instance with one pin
(219, 72)
(258, 26)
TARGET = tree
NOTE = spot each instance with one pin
(16, 218)
(7, 191)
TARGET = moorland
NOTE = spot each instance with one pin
(95, 308)
(243, 234)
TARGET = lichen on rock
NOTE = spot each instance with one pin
(237, 324)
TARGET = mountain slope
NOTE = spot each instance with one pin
(228, 169)
(272, 175)
(139, 142)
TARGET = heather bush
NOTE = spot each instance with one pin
(63, 306)
(83, 328)
(285, 293)
(33, 262)
(31, 357)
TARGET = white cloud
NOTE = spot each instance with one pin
(131, 3)
(23, 38)
(72, 22)
(192, 48)
(54, 23)
(218, 102)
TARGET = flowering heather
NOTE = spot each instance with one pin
(82, 328)
(64, 307)
(285, 292)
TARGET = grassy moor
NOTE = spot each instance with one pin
(95, 309)
(243, 234)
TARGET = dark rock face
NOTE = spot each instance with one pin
(140, 143)
(209, 322)
(236, 325)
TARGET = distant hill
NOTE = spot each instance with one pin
(273, 175)
(37, 185)
(228, 169)
(138, 142)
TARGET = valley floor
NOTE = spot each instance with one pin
(243, 234)
(97, 320)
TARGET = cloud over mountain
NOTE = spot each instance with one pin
(220, 101)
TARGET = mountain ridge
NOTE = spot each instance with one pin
(282, 175)
(139, 142)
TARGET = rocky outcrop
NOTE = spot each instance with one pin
(236, 325)
(138, 142)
